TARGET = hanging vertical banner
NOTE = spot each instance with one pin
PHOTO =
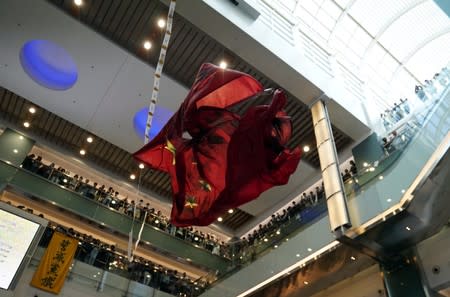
(54, 266)
(158, 71)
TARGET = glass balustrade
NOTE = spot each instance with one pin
(37, 186)
(111, 274)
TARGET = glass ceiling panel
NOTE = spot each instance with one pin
(373, 15)
(420, 23)
(412, 32)
(431, 58)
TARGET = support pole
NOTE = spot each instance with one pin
(329, 164)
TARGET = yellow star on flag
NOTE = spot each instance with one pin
(171, 148)
(190, 202)
(205, 186)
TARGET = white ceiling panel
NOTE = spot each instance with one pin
(106, 95)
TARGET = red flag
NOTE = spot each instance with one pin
(225, 160)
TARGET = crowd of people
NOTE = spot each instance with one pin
(391, 116)
(140, 210)
(430, 87)
(280, 220)
(105, 256)
(111, 198)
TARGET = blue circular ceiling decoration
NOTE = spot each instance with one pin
(49, 64)
(160, 118)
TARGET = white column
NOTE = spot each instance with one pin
(334, 189)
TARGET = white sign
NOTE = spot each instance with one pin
(16, 235)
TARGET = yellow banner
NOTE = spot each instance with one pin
(55, 264)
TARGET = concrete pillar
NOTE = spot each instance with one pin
(329, 164)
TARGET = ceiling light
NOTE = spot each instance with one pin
(306, 148)
(132, 176)
(220, 219)
(21, 137)
(32, 110)
(161, 23)
(287, 239)
(407, 228)
(305, 282)
(372, 169)
(298, 255)
(309, 249)
(389, 200)
(26, 124)
(365, 164)
(230, 211)
(78, 2)
(275, 246)
(380, 177)
(353, 258)
(223, 64)
(141, 166)
(403, 191)
(15, 151)
(195, 238)
(65, 180)
(90, 139)
(82, 152)
(147, 45)
(157, 222)
(278, 232)
(266, 240)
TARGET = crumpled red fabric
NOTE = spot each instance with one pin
(217, 159)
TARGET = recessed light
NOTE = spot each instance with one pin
(21, 137)
(298, 255)
(161, 23)
(275, 246)
(305, 282)
(141, 166)
(132, 176)
(372, 169)
(306, 148)
(26, 124)
(309, 249)
(230, 211)
(82, 152)
(32, 110)
(380, 177)
(220, 219)
(389, 200)
(365, 164)
(407, 228)
(266, 240)
(403, 191)
(15, 151)
(147, 45)
(78, 2)
(157, 222)
(90, 139)
(223, 64)
(278, 232)
(287, 239)
(353, 258)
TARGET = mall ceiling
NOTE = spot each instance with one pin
(128, 23)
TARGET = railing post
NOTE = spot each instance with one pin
(329, 164)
